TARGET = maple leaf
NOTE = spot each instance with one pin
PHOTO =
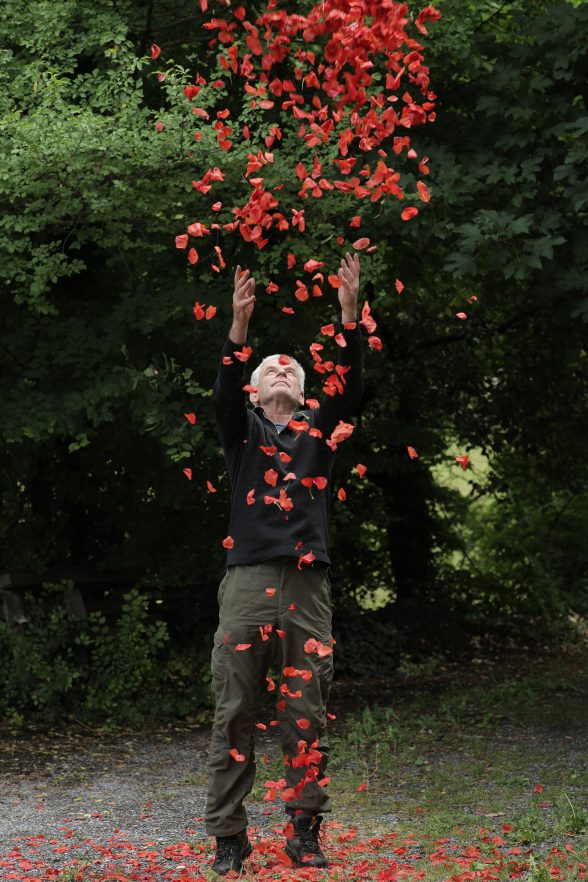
(228, 542)
(240, 647)
(191, 417)
(463, 460)
(238, 757)
(155, 51)
(361, 469)
(412, 453)
(188, 473)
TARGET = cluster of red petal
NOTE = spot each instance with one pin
(387, 857)
(365, 88)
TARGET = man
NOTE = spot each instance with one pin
(274, 599)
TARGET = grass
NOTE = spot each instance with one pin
(477, 776)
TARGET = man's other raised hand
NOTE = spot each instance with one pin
(243, 303)
(349, 288)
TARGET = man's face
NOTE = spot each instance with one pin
(278, 382)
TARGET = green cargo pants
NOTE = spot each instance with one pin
(300, 609)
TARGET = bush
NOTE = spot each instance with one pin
(120, 672)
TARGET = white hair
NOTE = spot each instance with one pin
(298, 368)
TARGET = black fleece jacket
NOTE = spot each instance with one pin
(261, 529)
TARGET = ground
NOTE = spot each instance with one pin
(470, 772)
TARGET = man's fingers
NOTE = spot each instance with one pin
(243, 284)
(245, 289)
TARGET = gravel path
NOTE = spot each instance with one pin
(80, 797)
(77, 796)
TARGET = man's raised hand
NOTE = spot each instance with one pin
(349, 287)
(243, 302)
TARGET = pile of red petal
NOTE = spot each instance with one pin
(387, 857)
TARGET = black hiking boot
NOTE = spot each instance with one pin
(231, 851)
(304, 848)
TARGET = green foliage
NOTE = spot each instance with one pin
(364, 644)
(93, 669)
(100, 355)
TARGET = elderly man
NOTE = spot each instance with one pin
(275, 600)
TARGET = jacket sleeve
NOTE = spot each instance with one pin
(343, 405)
(228, 396)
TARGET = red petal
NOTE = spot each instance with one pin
(311, 265)
(424, 192)
(271, 477)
